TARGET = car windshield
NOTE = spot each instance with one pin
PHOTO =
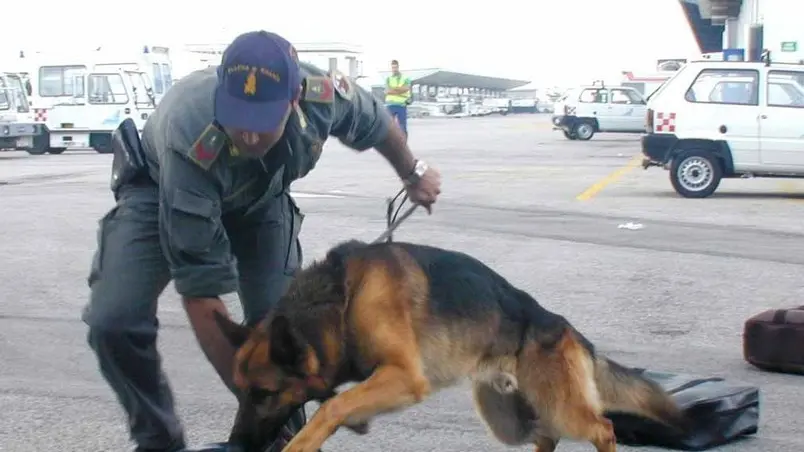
(5, 94)
(139, 88)
(12, 94)
(18, 93)
(107, 89)
(667, 82)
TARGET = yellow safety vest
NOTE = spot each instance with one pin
(396, 81)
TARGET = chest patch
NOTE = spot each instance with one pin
(319, 90)
(207, 147)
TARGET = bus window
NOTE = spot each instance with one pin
(107, 89)
(56, 81)
(158, 81)
(167, 78)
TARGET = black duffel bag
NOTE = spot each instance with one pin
(773, 340)
(719, 412)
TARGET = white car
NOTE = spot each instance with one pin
(587, 110)
(716, 119)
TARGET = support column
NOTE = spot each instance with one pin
(731, 35)
(353, 69)
(755, 43)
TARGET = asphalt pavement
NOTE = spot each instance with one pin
(671, 295)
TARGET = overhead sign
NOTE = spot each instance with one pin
(733, 54)
(789, 46)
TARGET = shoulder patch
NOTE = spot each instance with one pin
(207, 147)
(319, 89)
(343, 85)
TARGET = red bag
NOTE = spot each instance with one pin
(774, 340)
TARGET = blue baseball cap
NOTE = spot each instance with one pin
(257, 80)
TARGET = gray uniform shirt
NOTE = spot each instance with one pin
(201, 176)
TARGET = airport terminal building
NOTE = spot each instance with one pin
(428, 84)
(438, 91)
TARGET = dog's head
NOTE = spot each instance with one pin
(274, 365)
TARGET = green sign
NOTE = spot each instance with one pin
(789, 46)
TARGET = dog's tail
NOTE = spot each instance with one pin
(625, 390)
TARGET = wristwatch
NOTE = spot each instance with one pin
(416, 174)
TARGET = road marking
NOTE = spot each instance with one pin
(297, 194)
(598, 186)
(792, 190)
(535, 125)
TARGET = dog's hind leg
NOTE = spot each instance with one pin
(506, 413)
(546, 444)
(510, 417)
(559, 381)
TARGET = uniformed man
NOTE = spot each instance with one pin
(398, 95)
(214, 213)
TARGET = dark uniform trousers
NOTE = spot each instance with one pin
(129, 272)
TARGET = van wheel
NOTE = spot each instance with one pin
(56, 151)
(695, 173)
(569, 136)
(584, 131)
(36, 151)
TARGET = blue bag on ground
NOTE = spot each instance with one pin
(719, 411)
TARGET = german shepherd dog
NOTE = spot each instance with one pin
(405, 320)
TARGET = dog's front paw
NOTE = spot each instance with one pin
(300, 444)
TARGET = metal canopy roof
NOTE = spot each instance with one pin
(709, 36)
(439, 77)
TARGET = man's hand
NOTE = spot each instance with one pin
(426, 190)
(218, 350)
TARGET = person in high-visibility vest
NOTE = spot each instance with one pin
(398, 96)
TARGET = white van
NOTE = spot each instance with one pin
(17, 127)
(80, 98)
(587, 110)
(717, 119)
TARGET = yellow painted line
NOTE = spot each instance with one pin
(792, 190)
(535, 125)
(598, 186)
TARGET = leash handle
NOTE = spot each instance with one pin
(392, 218)
(395, 224)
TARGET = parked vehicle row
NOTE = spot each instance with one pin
(708, 121)
(76, 100)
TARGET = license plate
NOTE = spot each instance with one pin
(25, 142)
(67, 125)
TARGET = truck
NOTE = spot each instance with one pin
(646, 84)
(80, 98)
(17, 127)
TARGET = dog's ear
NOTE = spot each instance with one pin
(235, 333)
(286, 348)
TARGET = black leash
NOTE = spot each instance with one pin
(392, 218)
